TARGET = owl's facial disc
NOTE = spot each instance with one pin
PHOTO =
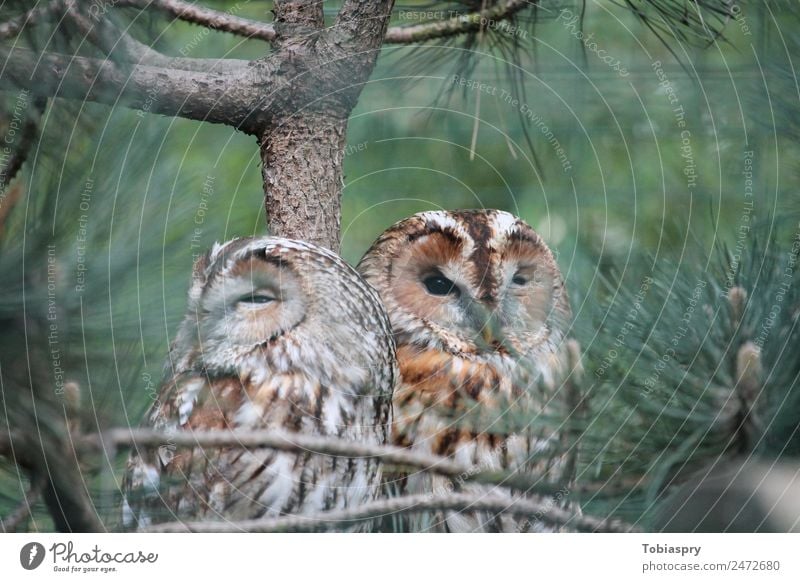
(476, 293)
(256, 300)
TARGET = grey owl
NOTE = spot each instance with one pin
(479, 311)
(279, 334)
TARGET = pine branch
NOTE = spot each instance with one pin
(345, 518)
(207, 17)
(456, 25)
(223, 97)
(394, 35)
(389, 455)
(119, 44)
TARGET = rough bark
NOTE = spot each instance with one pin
(224, 97)
(318, 74)
(302, 171)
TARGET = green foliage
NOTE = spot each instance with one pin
(671, 388)
(631, 234)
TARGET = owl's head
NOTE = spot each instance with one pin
(468, 282)
(283, 303)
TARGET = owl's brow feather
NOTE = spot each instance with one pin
(262, 254)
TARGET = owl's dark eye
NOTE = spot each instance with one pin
(256, 299)
(440, 285)
(519, 280)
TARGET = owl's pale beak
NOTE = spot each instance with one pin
(485, 324)
(487, 333)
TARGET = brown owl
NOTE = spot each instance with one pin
(279, 334)
(479, 310)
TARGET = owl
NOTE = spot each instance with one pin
(479, 311)
(279, 334)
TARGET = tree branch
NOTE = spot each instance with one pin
(14, 26)
(456, 25)
(365, 20)
(224, 97)
(387, 454)
(542, 511)
(207, 17)
(394, 35)
(119, 44)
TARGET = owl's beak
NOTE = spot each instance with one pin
(485, 324)
(487, 333)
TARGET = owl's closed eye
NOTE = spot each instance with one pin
(278, 334)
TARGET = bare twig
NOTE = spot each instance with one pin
(387, 454)
(456, 25)
(394, 35)
(207, 17)
(342, 519)
(576, 406)
(23, 510)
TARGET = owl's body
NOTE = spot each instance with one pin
(280, 335)
(478, 308)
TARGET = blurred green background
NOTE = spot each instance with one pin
(632, 183)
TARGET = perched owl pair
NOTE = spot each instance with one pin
(281, 334)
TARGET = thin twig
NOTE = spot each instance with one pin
(223, 21)
(345, 518)
(207, 17)
(400, 459)
(456, 25)
(23, 510)
(387, 454)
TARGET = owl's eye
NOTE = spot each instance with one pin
(519, 280)
(256, 299)
(440, 285)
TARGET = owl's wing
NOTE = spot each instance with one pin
(163, 483)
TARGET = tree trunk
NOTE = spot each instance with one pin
(317, 75)
(302, 171)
